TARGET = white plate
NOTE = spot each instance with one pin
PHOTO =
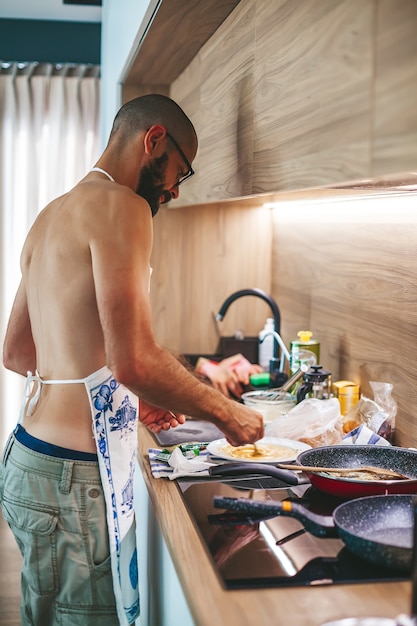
(217, 448)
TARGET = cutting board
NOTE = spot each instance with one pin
(192, 431)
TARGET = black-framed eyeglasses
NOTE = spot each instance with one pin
(190, 171)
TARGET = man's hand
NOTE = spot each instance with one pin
(157, 419)
(243, 425)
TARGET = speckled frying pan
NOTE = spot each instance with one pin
(398, 459)
(378, 529)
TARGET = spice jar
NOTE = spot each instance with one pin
(348, 394)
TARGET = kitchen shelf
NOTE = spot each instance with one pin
(176, 32)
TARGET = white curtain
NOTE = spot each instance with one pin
(49, 139)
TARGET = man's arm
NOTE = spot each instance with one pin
(120, 253)
(19, 353)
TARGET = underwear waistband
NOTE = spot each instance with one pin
(49, 449)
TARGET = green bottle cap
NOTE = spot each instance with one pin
(260, 380)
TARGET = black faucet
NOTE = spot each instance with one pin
(259, 293)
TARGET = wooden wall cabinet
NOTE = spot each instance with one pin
(287, 94)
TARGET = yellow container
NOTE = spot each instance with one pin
(348, 394)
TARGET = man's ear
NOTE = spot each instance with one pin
(155, 141)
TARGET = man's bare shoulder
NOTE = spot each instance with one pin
(104, 196)
(92, 202)
(104, 209)
(91, 211)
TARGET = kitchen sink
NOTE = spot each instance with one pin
(229, 346)
(193, 358)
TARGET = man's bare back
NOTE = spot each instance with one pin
(63, 311)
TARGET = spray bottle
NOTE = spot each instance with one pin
(266, 344)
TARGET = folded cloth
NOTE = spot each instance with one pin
(177, 465)
(362, 435)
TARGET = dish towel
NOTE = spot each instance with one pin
(175, 465)
(362, 436)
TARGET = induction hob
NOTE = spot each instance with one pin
(275, 552)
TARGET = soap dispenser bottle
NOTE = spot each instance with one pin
(266, 344)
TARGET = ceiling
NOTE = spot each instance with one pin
(50, 10)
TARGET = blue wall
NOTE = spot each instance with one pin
(50, 41)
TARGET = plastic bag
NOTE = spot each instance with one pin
(378, 414)
(312, 421)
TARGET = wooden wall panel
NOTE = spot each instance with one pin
(203, 254)
(200, 257)
(395, 119)
(354, 284)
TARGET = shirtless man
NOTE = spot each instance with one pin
(82, 305)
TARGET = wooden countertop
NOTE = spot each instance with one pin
(211, 604)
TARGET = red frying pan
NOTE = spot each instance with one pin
(402, 460)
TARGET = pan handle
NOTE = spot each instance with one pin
(414, 561)
(318, 525)
(249, 469)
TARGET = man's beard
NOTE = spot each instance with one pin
(151, 182)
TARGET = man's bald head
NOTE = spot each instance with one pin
(142, 113)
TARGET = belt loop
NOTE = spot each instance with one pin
(66, 476)
(7, 448)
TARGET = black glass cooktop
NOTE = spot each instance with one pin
(275, 552)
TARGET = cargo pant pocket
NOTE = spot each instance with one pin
(101, 581)
(67, 615)
(34, 532)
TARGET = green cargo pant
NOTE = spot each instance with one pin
(56, 511)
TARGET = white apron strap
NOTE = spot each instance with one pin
(30, 400)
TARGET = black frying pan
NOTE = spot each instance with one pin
(378, 529)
